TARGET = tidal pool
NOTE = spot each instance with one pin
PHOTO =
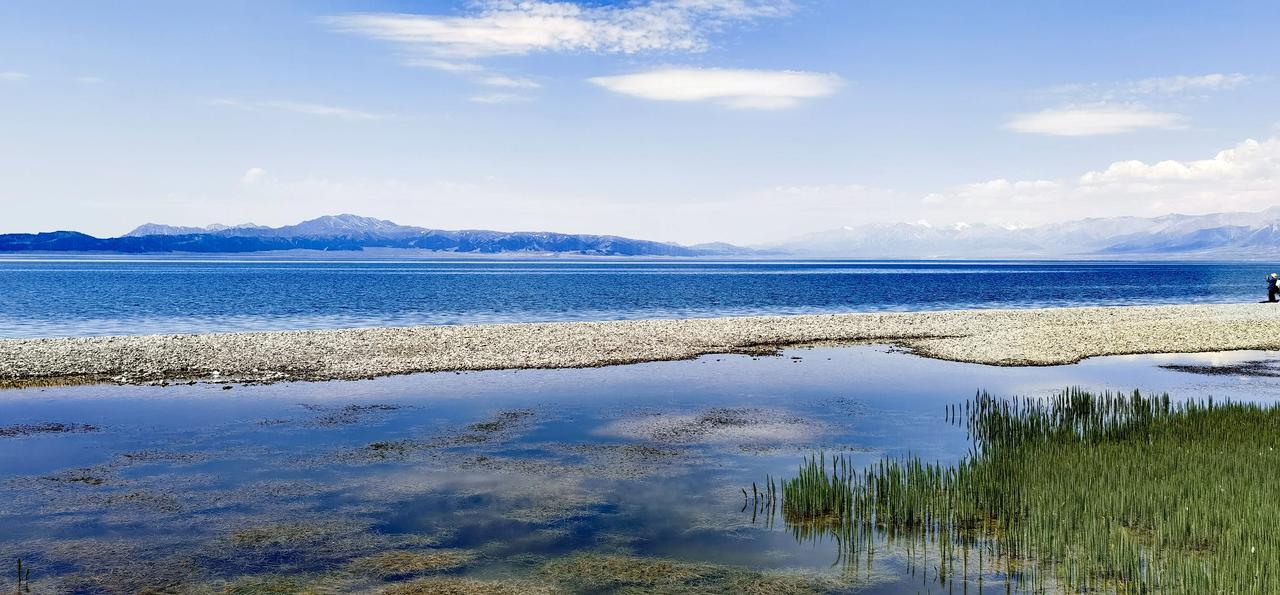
(618, 479)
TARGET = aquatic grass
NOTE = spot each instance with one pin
(1080, 491)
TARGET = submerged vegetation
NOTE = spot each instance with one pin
(1076, 492)
(617, 573)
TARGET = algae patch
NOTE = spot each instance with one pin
(18, 430)
(347, 415)
(409, 562)
(470, 586)
(603, 573)
(1260, 368)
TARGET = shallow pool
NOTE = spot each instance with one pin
(618, 479)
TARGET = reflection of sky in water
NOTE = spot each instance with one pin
(550, 484)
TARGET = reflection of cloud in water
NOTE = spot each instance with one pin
(719, 425)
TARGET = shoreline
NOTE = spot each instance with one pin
(1030, 337)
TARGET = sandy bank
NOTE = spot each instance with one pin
(997, 337)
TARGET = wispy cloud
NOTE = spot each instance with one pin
(510, 27)
(310, 109)
(1161, 86)
(445, 65)
(1116, 107)
(13, 76)
(1094, 120)
(454, 43)
(316, 109)
(478, 73)
(742, 89)
(499, 80)
(1180, 83)
(500, 98)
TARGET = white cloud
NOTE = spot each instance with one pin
(10, 75)
(1094, 120)
(1250, 161)
(500, 98)
(311, 109)
(488, 28)
(253, 175)
(514, 27)
(746, 89)
(1245, 177)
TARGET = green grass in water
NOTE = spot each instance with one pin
(1076, 492)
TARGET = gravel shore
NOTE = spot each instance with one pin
(996, 337)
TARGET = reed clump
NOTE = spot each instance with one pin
(1080, 491)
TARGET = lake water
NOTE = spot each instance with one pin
(583, 479)
(44, 298)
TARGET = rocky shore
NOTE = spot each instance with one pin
(995, 337)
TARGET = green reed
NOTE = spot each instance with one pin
(23, 576)
(1076, 492)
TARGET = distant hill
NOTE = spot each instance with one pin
(1218, 235)
(350, 233)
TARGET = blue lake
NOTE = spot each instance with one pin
(43, 298)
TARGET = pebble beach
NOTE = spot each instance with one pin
(1023, 337)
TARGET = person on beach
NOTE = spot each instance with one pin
(1273, 287)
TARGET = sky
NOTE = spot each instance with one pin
(746, 121)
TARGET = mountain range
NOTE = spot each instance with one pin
(1220, 235)
(351, 233)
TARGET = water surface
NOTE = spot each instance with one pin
(45, 298)
(513, 472)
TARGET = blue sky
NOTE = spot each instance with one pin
(684, 120)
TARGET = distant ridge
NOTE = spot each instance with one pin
(1219, 235)
(349, 232)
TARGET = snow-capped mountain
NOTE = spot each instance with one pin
(1226, 235)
